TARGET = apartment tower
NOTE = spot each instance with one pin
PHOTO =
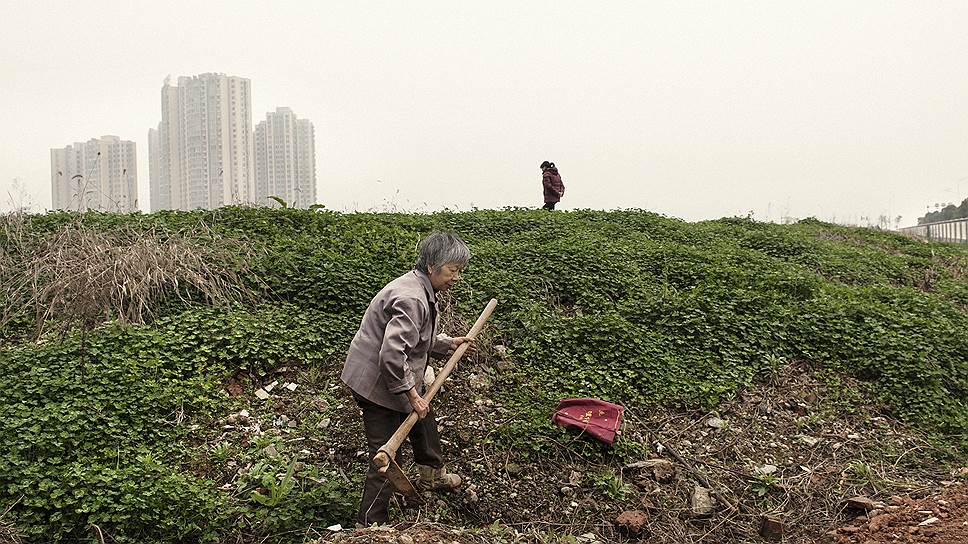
(200, 156)
(285, 160)
(100, 174)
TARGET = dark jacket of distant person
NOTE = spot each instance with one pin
(551, 180)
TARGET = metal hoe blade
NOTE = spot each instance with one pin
(388, 467)
(400, 482)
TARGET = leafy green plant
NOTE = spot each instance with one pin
(282, 203)
(609, 484)
(222, 452)
(763, 484)
(864, 474)
(277, 489)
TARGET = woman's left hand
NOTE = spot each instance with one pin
(471, 348)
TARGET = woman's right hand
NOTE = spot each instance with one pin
(418, 404)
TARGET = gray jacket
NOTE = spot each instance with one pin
(389, 353)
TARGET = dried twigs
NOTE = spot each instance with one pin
(83, 276)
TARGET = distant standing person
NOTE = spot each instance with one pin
(553, 187)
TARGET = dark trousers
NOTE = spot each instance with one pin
(549, 206)
(379, 424)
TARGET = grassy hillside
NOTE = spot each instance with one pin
(124, 428)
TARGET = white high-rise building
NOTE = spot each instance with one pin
(200, 156)
(100, 174)
(285, 160)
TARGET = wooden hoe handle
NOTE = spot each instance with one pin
(382, 459)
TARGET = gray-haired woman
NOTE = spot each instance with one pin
(386, 363)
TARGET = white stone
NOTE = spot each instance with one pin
(702, 501)
(715, 423)
(808, 440)
(766, 469)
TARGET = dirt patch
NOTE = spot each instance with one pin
(234, 387)
(791, 449)
(407, 533)
(941, 518)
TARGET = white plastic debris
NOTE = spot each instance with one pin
(766, 469)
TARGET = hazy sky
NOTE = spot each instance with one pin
(692, 109)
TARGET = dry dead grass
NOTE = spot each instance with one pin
(8, 531)
(82, 276)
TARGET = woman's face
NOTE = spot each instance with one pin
(444, 277)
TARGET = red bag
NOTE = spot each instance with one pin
(596, 417)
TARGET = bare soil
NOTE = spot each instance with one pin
(791, 449)
(939, 518)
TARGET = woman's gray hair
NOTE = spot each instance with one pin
(442, 248)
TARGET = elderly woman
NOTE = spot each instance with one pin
(386, 362)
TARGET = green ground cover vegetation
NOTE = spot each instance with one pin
(627, 306)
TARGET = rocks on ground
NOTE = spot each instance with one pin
(702, 501)
(632, 522)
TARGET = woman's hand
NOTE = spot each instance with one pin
(418, 404)
(471, 348)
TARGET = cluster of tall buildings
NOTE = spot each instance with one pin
(100, 174)
(203, 154)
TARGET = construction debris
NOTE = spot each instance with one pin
(702, 502)
(861, 503)
(771, 528)
(631, 522)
